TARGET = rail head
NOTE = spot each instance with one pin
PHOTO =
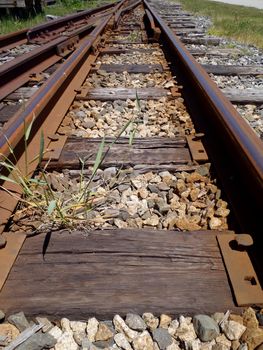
(60, 22)
(14, 129)
(242, 144)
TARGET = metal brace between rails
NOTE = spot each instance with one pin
(243, 278)
(67, 47)
(196, 148)
(8, 254)
(55, 147)
(155, 31)
(99, 42)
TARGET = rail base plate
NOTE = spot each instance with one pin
(245, 284)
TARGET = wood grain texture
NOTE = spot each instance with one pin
(22, 93)
(233, 70)
(8, 111)
(154, 151)
(217, 52)
(118, 271)
(254, 96)
(111, 94)
(206, 40)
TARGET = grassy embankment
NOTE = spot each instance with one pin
(10, 24)
(241, 23)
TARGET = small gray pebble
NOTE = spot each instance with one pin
(19, 320)
(205, 327)
(162, 337)
(38, 341)
(135, 322)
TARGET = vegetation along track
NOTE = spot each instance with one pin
(146, 181)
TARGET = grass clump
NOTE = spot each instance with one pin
(44, 198)
(241, 23)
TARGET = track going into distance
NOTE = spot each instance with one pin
(133, 183)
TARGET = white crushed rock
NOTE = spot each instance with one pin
(163, 117)
(155, 57)
(232, 335)
(11, 54)
(130, 199)
(128, 80)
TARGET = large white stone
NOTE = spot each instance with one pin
(233, 330)
(92, 328)
(66, 342)
(122, 342)
(143, 342)
(122, 327)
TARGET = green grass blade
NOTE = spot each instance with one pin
(28, 129)
(9, 145)
(132, 135)
(98, 157)
(41, 148)
(52, 205)
(38, 182)
(5, 178)
(122, 131)
(8, 166)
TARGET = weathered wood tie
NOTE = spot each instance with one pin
(152, 270)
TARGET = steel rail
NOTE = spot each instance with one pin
(123, 10)
(60, 23)
(244, 147)
(48, 108)
(16, 72)
(13, 130)
(11, 40)
(23, 36)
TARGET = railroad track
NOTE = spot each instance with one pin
(170, 172)
(32, 54)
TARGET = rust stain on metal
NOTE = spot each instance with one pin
(155, 31)
(67, 46)
(2, 241)
(14, 242)
(53, 114)
(55, 147)
(243, 146)
(197, 149)
(244, 281)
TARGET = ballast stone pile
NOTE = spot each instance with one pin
(155, 57)
(126, 198)
(11, 54)
(242, 55)
(162, 118)
(202, 332)
(129, 80)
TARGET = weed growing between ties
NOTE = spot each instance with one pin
(45, 202)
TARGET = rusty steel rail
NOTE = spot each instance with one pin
(17, 72)
(14, 128)
(154, 31)
(241, 143)
(237, 154)
(47, 108)
(40, 105)
(47, 31)
(123, 10)
(11, 40)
